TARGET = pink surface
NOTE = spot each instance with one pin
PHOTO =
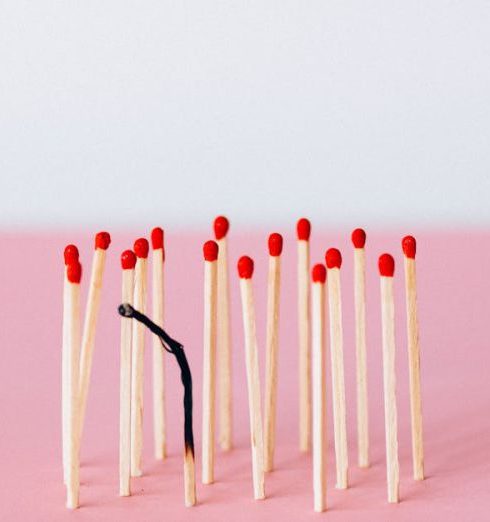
(454, 296)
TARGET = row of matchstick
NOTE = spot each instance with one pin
(78, 350)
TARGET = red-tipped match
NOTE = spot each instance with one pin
(386, 265)
(210, 250)
(71, 254)
(157, 238)
(221, 226)
(409, 246)
(74, 272)
(102, 240)
(245, 267)
(275, 244)
(128, 260)
(141, 247)
(319, 273)
(303, 229)
(333, 258)
(358, 238)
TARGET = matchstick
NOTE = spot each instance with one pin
(221, 227)
(102, 242)
(210, 251)
(409, 246)
(245, 271)
(70, 255)
(386, 265)
(334, 261)
(74, 275)
(359, 240)
(128, 261)
(159, 420)
(303, 229)
(273, 293)
(141, 248)
(318, 276)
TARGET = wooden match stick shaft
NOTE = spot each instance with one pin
(414, 368)
(209, 365)
(159, 424)
(389, 385)
(361, 368)
(224, 349)
(253, 385)
(64, 377)
(189, 478)
(338, 383)
(273, 292)
(304, 345)
(125, 389)
(319, 396)
(137, 363)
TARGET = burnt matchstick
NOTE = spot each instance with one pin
(174, 347)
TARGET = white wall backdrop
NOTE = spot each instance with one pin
(114, 112)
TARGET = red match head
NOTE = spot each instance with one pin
(210, 250)
(141, 247)
(245, 267)
(409, 246)
(74, 272)
(358, 238)
(157, 238)
(102, 240)
(303, 229)
(333, 258)
(71, 254)
(319, 273)
(221, 226)
(275, 244)
(128, 260)
(386, 265)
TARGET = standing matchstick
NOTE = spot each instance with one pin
(210, 251)
(128, 261)
(141, 248)
(409, 246)
(334, 261)
(159, 428)
(303, 229)
(74, 275)
(386, 265)
(359, 240)
(102, 242)
(318, 276)
(273, 292)
(221, 226)
(245, 271)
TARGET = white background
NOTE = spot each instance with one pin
(117, 112)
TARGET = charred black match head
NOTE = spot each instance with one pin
(126, 310)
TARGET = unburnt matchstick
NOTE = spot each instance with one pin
(221, 226)
(175, 348)
(158, 286)
(272, 342)
(409, 246)
(386, 266)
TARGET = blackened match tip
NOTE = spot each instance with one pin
(125, 310)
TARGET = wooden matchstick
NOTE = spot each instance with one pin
(409, 246)
(273, 292)
(102, 242)
(245, 271)
(221, 227)
(141, 248)
(386, 269)
(303, 229)
(359, 240)
(128, 261)
(318, 276)
(74, 274)
(210, 251)
(334, 261)
(159, 420)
